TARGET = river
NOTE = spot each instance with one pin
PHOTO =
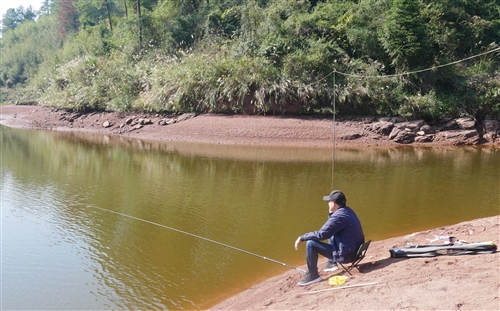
(95, 221)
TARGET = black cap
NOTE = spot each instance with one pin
(336, 196)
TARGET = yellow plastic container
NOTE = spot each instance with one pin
(337, 280)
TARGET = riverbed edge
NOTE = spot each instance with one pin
(258, 130)
(442, 282)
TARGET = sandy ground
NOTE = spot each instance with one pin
(464, 282)
(214, 129)
(460, 282)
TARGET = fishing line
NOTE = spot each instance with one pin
(333, 126)
(199, 237)
(334, 71)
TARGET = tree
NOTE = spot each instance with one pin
(109, 15)
(13, 17)
(24, 48)
(67, 17)
(29, 14)
(404, 35)
(48, 6)
(140, 21)
(126, 9)
(93, 12)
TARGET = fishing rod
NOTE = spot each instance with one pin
(200, 237)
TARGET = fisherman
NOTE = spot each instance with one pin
(344, 232)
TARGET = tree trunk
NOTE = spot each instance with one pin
(109, 15)
(140, 22)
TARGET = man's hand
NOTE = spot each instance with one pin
(297, 243)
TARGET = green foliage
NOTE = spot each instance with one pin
(404, 35)
(96, 40)
(482, 92)
(173, 25)
(24, 48)
(262, 56)
(224, 22)
(93, 12)
(48, 6)
(361, 22)
(457, 28)
(209, 82)
(94, 84)
(14, 17)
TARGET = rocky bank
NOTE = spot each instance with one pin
(303, 131)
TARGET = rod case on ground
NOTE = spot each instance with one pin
(437, 250)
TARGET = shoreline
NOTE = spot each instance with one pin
(425, 283)
(235, 130)
(241, 130)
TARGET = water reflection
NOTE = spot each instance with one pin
(63, 253)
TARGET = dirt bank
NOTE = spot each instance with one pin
(464, 282)
(216, 129)
(246, 130)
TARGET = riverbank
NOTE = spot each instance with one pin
(299, 131)
(464, 282)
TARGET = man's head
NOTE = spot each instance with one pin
(337, 197)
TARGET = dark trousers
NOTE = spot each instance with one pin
(313, 248)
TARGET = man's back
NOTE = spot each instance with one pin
(350, 235)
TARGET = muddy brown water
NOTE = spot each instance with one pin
(62, 250)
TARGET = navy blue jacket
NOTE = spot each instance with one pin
(345, 226)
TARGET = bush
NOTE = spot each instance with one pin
(277, 56)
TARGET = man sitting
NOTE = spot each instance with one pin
(345, 234)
